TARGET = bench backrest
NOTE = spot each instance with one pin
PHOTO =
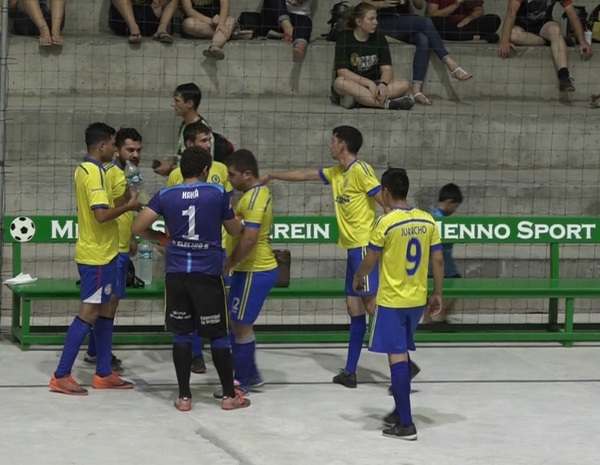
(554, 231)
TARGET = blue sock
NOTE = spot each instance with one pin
(242, 361)
(76, 334)
(358, 328)
(400, 374)
(104, 330)
(196, 345)
(253, 369)
(91, 350)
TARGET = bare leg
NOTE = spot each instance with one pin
(551, 32)
(168, 11)
(518, 36)
(221, 37)
(57, 8)
(196, 28)
(124, 7)
(418, 95)
(33, 10)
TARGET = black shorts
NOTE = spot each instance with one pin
(196, 301)
(145, 18)
(533, 27)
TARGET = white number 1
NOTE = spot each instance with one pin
(191, 214)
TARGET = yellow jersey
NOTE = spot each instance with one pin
(256, 209)
(97, 243)
(115, 177)
(353, 191)
(217, 174)
(405, 238)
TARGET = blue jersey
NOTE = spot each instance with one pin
(449, 266)
(193, 215)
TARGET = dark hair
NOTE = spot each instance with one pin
(350, 136)
(127, 133)
(193, 129)
(189, 91)
(243, 160)
(357, 12)
(194, 161)
(395, 180)
(450, 192)
(96, 133)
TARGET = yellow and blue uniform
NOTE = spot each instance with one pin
(254, 277)
(355, 209)
(115, 177)
(405, 237)
(97, 243)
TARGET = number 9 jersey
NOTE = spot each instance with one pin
(405, 237)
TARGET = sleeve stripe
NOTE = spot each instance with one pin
(374, 247)
(436, 247)
(100, 205)
(252, 225)
(374, 191)
(253, 198)
(365, 168)
(323, 178)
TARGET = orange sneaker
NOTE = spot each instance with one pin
(183, 404)
(232, 403)
(67, 385)
(112, 381)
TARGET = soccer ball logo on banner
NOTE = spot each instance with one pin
(22, 229)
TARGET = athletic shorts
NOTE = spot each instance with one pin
(195, 301)
(98, 282)
(145, 18)
(24, 26)
(248, 293)
(355, 257)
(122, 269)
(532, 27)
(393, 329)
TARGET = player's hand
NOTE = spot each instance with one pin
(358, 283)
(585, 51)
(373, 89)
(133, 203)
(227, 268)
(435, 304)
(382, 93)
(265, 178)
(165, 167)
(164, 240)
(506, 48)
(464, 22)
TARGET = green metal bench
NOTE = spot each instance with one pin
(316, 230)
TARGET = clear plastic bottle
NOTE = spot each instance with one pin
(136, 182)
(145, 259)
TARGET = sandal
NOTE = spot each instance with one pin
(421, 99)
(57, 40)
(214, 52)
(163, 37)
(45, 40)
(460, 74)
(135, 38)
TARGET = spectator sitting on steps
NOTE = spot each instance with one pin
(463, 20)
(137, 18)
(31, 17)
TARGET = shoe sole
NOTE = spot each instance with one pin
(352, 386)
(186, 408)
(412, 437)
(246, 405)
(68, 393)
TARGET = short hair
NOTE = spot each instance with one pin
(193, 129)
(395, 180)
(194, 161)
(96, 133)
(450, 192)
(127, 133)
(243, 160)
(189, 91)
(357, 12)
(350, 136)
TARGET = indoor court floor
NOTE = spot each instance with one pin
(472, 404)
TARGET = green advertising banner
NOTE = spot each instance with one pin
(323, 229)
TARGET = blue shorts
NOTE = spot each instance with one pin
(393, 329)
(355, 257)
(122, 268)
(248, 293)
(98, 282)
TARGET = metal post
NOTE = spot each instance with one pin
(3, 105)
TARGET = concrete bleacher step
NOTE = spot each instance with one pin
(106, 63)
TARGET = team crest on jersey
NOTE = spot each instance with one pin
(346, 181)
(216, 179)
(108, 289)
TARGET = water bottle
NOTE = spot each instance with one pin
(145, 259)
(135, 182)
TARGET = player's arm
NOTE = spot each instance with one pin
(233, 226)
(142, 225)
(585, 49)
(379, 199)
(247, 242)
(366, 266)
(507, 26)
(437, 269)
(292, 176)
(104, 215)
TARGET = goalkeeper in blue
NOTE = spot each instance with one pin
(403, 241)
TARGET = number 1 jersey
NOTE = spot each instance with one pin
(193, 215)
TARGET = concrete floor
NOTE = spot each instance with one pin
(472, 405)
